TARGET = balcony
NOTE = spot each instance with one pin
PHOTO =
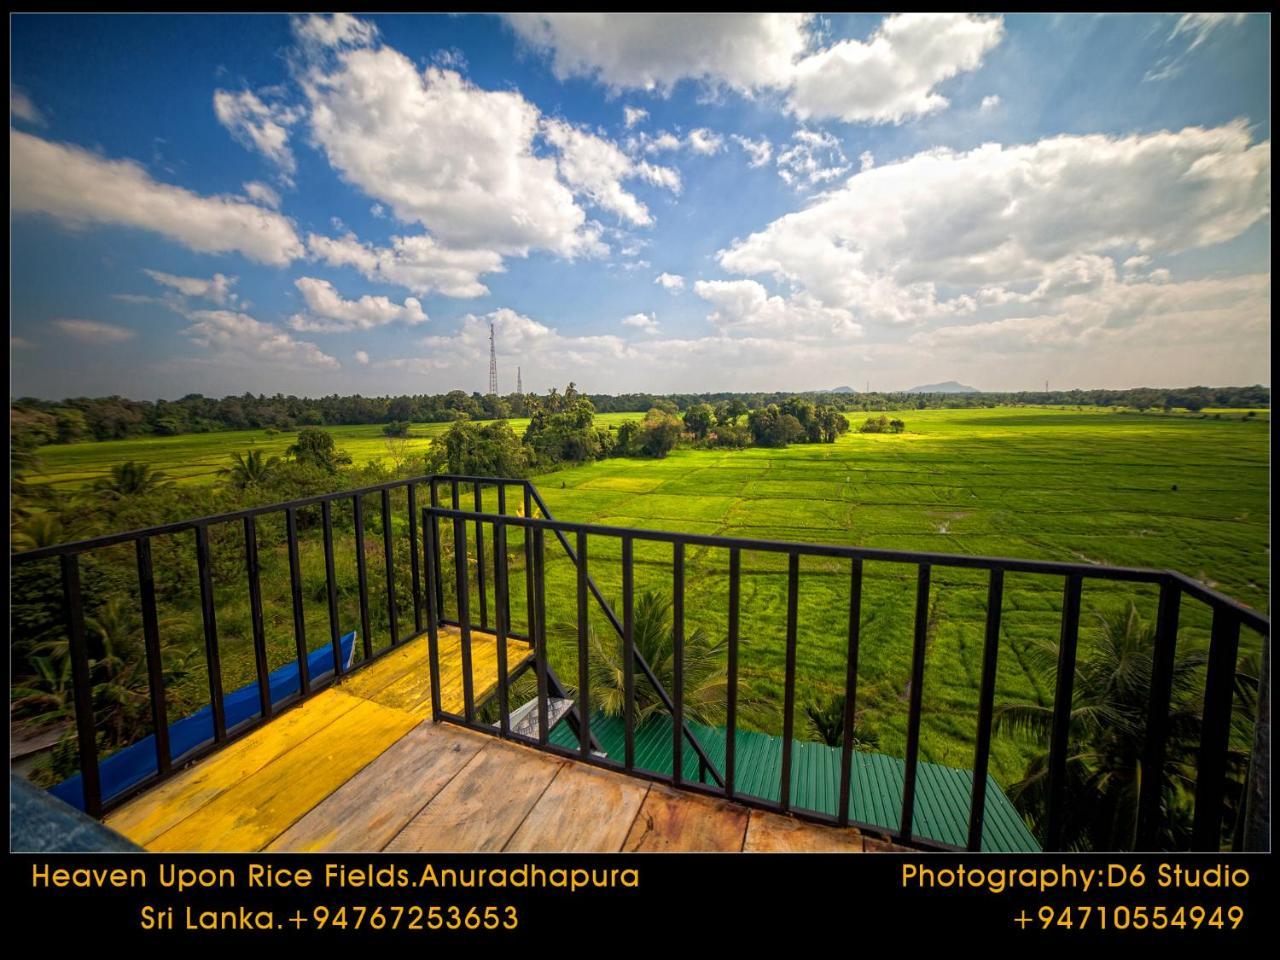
(423, 746)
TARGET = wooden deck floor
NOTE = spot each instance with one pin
(360, 767)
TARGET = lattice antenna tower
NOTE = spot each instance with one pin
(493, 363)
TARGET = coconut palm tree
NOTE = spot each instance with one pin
(250, 469)
(131, 479)
(1107, 737)
(706, 677)
(826, 724)
(44, 696)
(37, 530)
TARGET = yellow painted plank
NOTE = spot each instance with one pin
(374, 805)
(390, 667)
(771, 833)
(261, 807)
(585, 810)
(483, 805)
(157, 810)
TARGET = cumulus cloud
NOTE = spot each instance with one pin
(22, 108)
(258, 125)
(644, 322)
(328, 312)
(655, 51)
(759, 152)
(361, 358)
(417, 263)
(704, 141)
(814, 159)
(1006, 218)
(745, 305)
(239, 337)
(80, 189)
(595, 168)
(259, 192)
(672, 282)
(332, 32)
(891, 76)
(94, 331)
(633, 115)
(216, 289)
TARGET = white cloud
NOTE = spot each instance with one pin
(259, 192)
(416, 263)
(258, 126)
(94, 331)
(893, 75)
(240, 338)
(633, 115)
(80, 188)
(644, 322)
(440, 151)
(989, 103)
(814, 159)
(759, 152)
(328, 312)
(336, 31)
(888, 78)
(217, 289)
(361, 358)
(866, 160)
(1198, 26)
(671, 282)
(704, 141)
(655, 51)
(745, 305)
(595, 168)
(18, 343)
(21, 107)
(1007, 218)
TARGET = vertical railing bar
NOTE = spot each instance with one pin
(1059, 734)
(628, 654)
(584, 662)
(731, 713)
(415, 571)
(1215, 731)
(501, 624)
(81, 685)
(464, 615)
(677, 662)
(253, 572)
(389, 552)
(481, 591)
(986, 707)
(506, 609)
(210, 622)
(789, 678)
(906, 822)
(433, 576)
(435, 545)
(331, 586)
(540, 641)
(299, 618)
(155, 661)
(362, 576)
(1166, 642)
(850, 689)
(530, 613)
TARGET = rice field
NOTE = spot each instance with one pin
(1094, 486)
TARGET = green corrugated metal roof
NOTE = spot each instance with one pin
(942, 793)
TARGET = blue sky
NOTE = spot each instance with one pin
(313, 205)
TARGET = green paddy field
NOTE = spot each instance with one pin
(1095, 486)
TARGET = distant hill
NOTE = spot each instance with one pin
(842, 390)
(949, 386)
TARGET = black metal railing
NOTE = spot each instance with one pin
(1228, 617)
(428, 594)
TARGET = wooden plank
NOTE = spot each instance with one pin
(483, 805)
(387, 669)
(771, 833)
(374, 805)
(585, 810)
(673, 821)
(159, 809)
(263, 806)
